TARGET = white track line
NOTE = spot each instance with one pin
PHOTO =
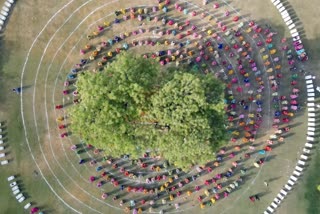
(39, 138)
(63, 103)
(63, 65)
(227, 59)
(34, 111)
(46, 87)
(55, 87)
(22, 112)
(65, 62)
(63, 99)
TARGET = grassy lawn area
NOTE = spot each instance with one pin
(55, 165)
(305, 197)
(312, 194)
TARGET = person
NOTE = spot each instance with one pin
(17, 90)
(65, 134)
(243, 171)
(74, 147)
(59, 106)
(252, 198)
(266, 183)
(62, 126)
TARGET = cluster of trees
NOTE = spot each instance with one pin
(134, 106)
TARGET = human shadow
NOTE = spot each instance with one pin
(273, 179)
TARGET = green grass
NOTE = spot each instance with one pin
(312, 195)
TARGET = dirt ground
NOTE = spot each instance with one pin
(53, 158)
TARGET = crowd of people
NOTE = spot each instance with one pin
(246, 57)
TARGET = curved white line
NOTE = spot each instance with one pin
(22, 112)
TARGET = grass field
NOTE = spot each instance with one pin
(53, 158)
(312, 181)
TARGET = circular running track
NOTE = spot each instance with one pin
(214, 39)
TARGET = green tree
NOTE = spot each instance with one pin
(193, 119)
(133, 106)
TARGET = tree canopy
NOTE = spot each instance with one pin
(133, 106)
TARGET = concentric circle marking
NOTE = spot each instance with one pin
(48, 109)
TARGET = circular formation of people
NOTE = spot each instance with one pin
(261, 73)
